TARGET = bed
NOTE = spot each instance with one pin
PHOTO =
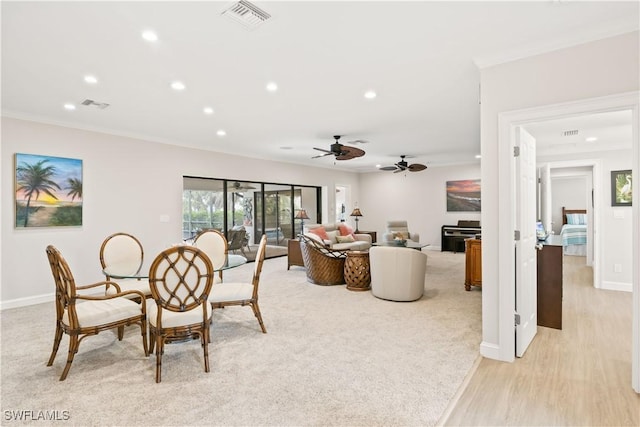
(574, 231)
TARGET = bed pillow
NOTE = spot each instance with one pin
(576, 219)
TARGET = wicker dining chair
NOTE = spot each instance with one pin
(121, 254)
(239, 293)
(80, 315)
(180, 278)
(324, 266)
(214, 244)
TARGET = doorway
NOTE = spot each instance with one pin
(508, 123)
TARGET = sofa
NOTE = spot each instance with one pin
(338, 236)
(397, 274)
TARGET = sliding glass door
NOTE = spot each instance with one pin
(244, 211)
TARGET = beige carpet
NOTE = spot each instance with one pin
(330, 357)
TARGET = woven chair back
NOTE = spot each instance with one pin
(180, 278)
(324, 266)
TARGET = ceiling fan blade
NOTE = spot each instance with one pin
(416, 167)
(322, 149)
(322, 155)
(351, 151)
(398, 170)
(388, 168)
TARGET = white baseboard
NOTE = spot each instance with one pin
(23, 302)
(432, 248)
(490, 351)
(616, 286)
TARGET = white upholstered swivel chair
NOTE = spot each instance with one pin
(397, 273)
(399, 228)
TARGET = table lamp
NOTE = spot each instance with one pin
(356, 213)
(301, 215)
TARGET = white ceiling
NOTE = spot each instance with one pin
(420, 57)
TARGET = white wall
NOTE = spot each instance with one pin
(127, 184)
(418, 197)
(591, 70)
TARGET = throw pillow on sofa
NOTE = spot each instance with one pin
(321, 232)
(332, 236)
(345, 230)
(345, 239)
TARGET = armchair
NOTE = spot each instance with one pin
(324, 266)
(79, 315)
(397, 229)
(397, 274)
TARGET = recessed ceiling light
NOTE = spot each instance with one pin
(150, 36)
(91, 79)
(177, 85)
(221, 132)
(478, 156)
(370, 94)
(207, 110)
(272, 87)
(591, 139)
(69, 107)
(378, 166)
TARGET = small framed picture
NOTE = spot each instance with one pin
(621, 188)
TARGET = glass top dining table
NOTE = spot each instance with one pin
(115, 272)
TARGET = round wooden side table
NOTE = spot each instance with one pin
(356, 271)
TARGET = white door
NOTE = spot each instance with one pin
(526, 257)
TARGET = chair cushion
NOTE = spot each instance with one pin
(130, 285)
(172, 319)
(357, 245)
(101, 312)
(231, 291)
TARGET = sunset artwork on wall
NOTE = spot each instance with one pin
(48, 191)
(463, 196)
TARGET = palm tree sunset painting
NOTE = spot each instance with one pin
(463, 196)
(48, 191)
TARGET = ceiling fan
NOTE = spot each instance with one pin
(402, 165)
(341, 151)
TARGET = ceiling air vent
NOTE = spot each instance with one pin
(573, 132)
(100, 105)
(250, 16)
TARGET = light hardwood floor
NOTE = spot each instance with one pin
(577, 376)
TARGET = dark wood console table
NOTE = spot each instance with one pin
(549, 269)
